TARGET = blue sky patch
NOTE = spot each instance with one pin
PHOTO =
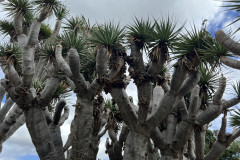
(28, 157)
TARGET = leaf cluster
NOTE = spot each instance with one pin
(192, 43)
(208, 83)
(61, 12)
(213, 51)
(158, 36)
(71, 40)
(20, 8)
(108, 104)
(235, 119)
(45, 32)
(62, 91)
(108, 35)
(77, 25)
(51, 5)
(233, 6)
(7, 28)
(236, 88)
(11, 53)
(47, 51)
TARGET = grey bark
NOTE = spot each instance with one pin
(227, 42)
(115, 148)
(135, 146)
(81, 138)
(9, 121)
(200, 141)
(230, 62)
(6, 107)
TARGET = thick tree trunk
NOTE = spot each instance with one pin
(200, 133)
(135, 146)
(94, 148)
(168, 157)
(56, 135)
(6, 107)
(82, 129)
(216, 151)
(39, 132)
(9, 121)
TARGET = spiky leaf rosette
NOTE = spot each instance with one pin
(191, 45)
(233, 6)
(163, 37)
(140, 31)
(50, 5)
(88, 65)
(236, 88)
(208, 83)
(61, 12)
(38, 85)
(163, 70)
(45, 32)
(28, 19)
(70, 40)
(62, 91)
(18, 7)
(11, 53)
(7, 28)
(47, 51)
(108, 35)
(115, 112)
(213, 51)
(235, 119)
(77, 24)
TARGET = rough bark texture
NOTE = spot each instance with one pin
(81, 138)
(135, 147)
(39, 134)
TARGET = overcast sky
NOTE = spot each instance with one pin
(19, 146)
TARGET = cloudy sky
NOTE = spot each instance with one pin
(19, 146)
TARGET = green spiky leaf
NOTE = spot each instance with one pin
(109, 36)
(141, 31)
(45, 32)
(213, 51)
(61, 12)
(236, 88)
(11, 53)
(51, 5)
(163, 71)
(71, 40)
(7, 28)
(28, 19)
(165, 32)
(115, 112)
(235, 119)
(233, 6)
(88, 65)
(38, 85)
(47, 51)
(18, 7)
(77, 24)
(62, 91)
(192, 43)
(208, 83)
